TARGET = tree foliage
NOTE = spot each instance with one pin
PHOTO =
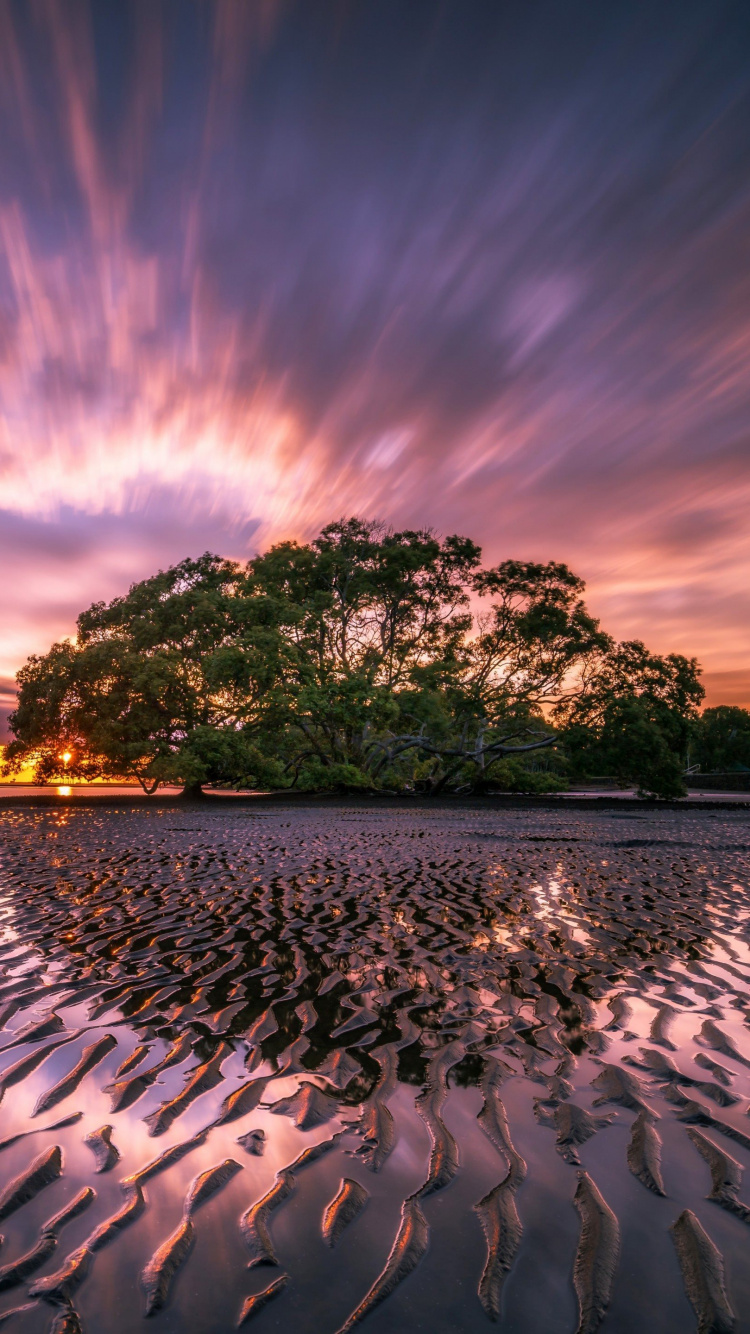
(367, 658)
(721, 740)
(160, 685)
(633, 719)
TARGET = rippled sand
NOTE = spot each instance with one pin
(415, 1069)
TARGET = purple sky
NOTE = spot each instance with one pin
(477, 265)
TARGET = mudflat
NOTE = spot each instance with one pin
(410, 1069)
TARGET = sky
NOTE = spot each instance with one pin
(481, 266)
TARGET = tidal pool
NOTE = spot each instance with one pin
(420, 1069)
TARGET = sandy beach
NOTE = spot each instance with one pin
(415, 1069)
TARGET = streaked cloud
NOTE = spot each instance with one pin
(263, 264)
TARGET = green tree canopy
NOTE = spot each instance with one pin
(368, 658)
(633, 717)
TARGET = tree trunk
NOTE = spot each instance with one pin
(192, 792)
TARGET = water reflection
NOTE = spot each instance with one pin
(463, 1012)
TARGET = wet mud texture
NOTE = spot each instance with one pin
(331, 1068)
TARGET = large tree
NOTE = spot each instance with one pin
(366, 658)
(397, 677)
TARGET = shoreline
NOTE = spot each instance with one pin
(309, 800)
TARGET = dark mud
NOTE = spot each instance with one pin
(450, 1070)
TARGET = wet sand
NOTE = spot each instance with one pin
(316, 1068)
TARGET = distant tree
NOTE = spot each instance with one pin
(633, 719)
(721, 740)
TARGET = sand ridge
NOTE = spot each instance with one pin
(390, 1008)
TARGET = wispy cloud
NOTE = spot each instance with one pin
(264, 264)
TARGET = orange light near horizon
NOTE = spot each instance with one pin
(66, 757)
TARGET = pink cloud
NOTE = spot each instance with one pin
(264, 265)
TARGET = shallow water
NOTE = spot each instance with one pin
(479, 1015)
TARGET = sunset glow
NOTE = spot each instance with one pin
(265, 264)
